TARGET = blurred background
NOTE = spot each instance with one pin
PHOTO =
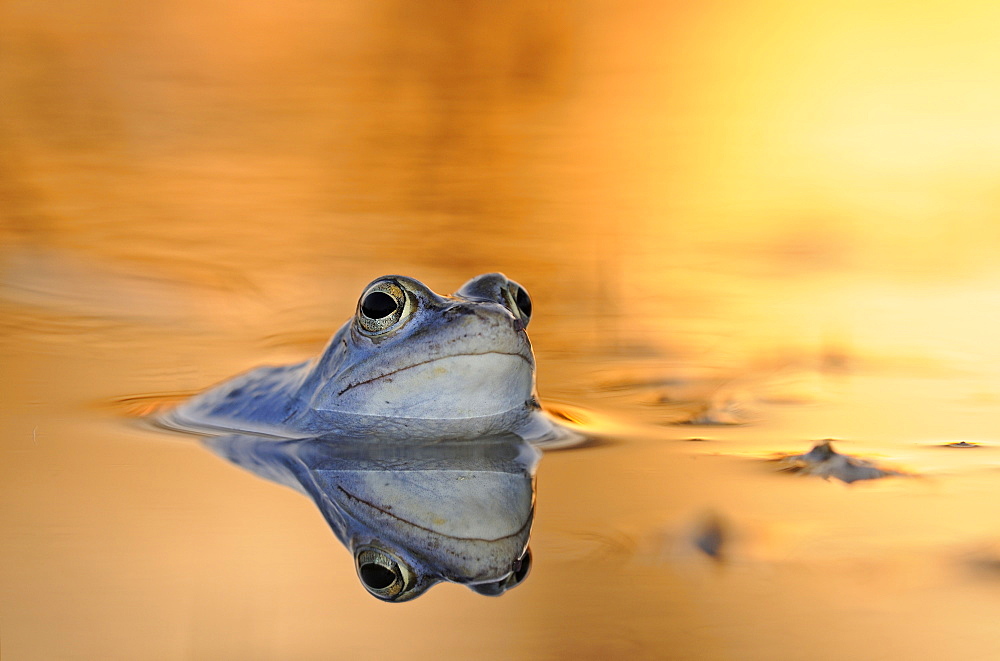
(773, 213)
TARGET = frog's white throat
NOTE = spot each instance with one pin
(454, 387)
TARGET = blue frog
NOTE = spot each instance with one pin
(410, 365)
(416, 433)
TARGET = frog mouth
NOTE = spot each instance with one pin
(527, 359)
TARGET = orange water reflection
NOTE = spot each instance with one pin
(784, 205)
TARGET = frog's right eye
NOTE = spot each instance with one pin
(382, 306)
(383, 575)
(518, 301)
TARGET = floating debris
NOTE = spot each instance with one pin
(961, 444)
(823, 461)
(729, 409)
(711, 536)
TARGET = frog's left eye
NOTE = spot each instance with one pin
(384, 575)
(382, 306)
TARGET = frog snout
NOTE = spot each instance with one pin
(494, 314)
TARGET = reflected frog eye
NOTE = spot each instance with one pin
(519, 571)
(382, 306)
(383, 575)
(521, 568)
(519, 302)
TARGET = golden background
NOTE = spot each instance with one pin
(790, 196)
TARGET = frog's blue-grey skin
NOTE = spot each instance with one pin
(410, 365)
(414, 514)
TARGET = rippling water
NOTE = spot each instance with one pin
(745, 230)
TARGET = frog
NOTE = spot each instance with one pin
(412, 515)
(409, 365)
(416, 432)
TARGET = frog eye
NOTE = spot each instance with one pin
(519, 301)
(519, 572)
(521, 568)
(383, 575)
(382, 306)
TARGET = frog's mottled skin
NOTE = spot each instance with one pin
(452, 366)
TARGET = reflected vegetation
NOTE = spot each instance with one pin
(411, 514)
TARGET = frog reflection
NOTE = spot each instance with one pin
(411, 514)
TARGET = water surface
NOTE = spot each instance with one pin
(774, 221)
